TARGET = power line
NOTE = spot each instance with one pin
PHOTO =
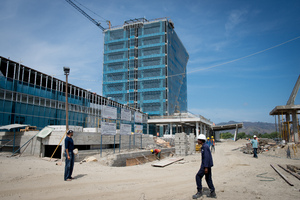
(245, 56)
(201, 69)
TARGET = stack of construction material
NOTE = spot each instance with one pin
(181, 144)
(191, 144)
(62, 128)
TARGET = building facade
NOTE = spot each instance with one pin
(31, 97)
(145, 67)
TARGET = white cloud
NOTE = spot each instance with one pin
(235, 18)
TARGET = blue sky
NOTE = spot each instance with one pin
(49, 34)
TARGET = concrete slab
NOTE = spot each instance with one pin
(166, 162)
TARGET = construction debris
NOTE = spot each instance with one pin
(29, 128)
(89, 159)
(162, 143)
(289, 171)
(294, 168)
(49, 159)
(270, 147)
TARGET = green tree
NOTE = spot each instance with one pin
(241, 135)
(226, 135)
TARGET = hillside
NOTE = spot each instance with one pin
(253, 127)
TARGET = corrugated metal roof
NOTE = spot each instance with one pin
(12, 126)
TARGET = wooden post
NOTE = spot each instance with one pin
(282, 176)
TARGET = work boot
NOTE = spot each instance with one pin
(212, 194)
(197, 195)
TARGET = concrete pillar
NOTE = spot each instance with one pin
(171, 129)
(201, 126)
(205, 131)
(236, 132)
(279, 126)
(176, 128)
(295, 126)
(197, 129)
(147, 129)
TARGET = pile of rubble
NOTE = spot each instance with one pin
(264, 144)
(163, 143)
(270, 147)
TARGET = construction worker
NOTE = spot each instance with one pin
(205, 169)
(254, 143)
(157, 152)
(208, 142)
(212, 144)
(69, 146)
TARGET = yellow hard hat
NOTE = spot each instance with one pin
(152, 150)
(208, 138)
(212, 136)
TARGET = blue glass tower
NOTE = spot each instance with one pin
(145, 66)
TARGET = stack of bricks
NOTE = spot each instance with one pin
(191, 144)
(181, 144)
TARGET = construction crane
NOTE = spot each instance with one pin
(87, 16)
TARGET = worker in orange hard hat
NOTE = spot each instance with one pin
(157, 152)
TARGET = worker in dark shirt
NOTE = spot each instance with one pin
(69, 146)
(205, 169)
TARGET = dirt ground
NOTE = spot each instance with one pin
(234, 177)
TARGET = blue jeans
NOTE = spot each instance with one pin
(208, 179)
(255, 152)
(69, 166)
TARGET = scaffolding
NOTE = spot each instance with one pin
(145, 66)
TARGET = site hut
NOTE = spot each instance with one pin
(30, 97)
(144, 67)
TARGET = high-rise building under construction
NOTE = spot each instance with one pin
(145, 66)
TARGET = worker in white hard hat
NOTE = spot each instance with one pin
(254, 143)
(205, 169)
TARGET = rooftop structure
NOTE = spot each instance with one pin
(145, 66)
(288, 127)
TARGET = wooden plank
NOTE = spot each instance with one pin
(166, 162)
(282, 176)
(289, 171)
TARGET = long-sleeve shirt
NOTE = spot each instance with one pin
(207, 160)
(69, 144)
(254, 143)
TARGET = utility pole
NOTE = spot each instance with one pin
(67, 71)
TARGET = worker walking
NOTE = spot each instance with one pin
(254, 143)
(212, 148)
(205, 169)
(208, 142)
(157, 152)
(69, 146)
